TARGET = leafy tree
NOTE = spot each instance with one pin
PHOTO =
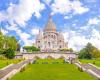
(11, 42)
(1, 41)
(89, 52)
(31, 48)
(8, 45)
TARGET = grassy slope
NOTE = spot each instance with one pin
(6, 62)
(52, 72)
(97, 62)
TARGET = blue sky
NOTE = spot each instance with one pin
(78, 20)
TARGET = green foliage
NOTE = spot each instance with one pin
(80, 69)
(2, 57)
(22, 69)
(84, 55)
(98, 79)
(8, 45)
(31, 48)
(7, 79)
(67, 49)
(11, 42)
(89, 52)
(1, 41)
(4, 62)
(9, 53)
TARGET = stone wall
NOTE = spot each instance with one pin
(45, 55)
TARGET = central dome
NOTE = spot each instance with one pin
(50, 26)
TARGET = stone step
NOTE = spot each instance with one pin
(10, 68)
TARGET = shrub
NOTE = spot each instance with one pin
(9, 53)
(29, 63)
(93, 62)
(7, 63)
(98, 79)
(80, 69)
(22, 69)
(7, 79)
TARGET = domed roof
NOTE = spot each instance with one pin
(50, 26)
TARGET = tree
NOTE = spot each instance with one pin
(31, 48)
(89, 52)
(8, 45)
(84, 54)
(1, 41)
(11, 42)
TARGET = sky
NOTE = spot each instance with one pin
(78, 20)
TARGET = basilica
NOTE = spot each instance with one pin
(49, 39)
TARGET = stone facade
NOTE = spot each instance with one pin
(45, 55)
(50, 39)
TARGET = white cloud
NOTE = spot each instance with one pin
(34, 31)
(2, 16)
(66, 17)
(24, 37)
(78, 8)
(4, 31)
(22, 12)
(95, 39)
(93, 21)
(77, 40)
(47, 1)
(67, 6)
(85, 28)
(19, 14)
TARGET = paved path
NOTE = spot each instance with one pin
(6, 71)
(90, 67)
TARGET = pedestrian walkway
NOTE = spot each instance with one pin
(9, 69)
(90, 68)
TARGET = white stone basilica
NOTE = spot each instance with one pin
(50, 39)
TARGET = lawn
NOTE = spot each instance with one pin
(52, 71)
(6, 62)
(95, 62)
(50, 61)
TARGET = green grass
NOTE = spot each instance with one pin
(95, 62)
(51, 71)
(6, 62)
(50, 61)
